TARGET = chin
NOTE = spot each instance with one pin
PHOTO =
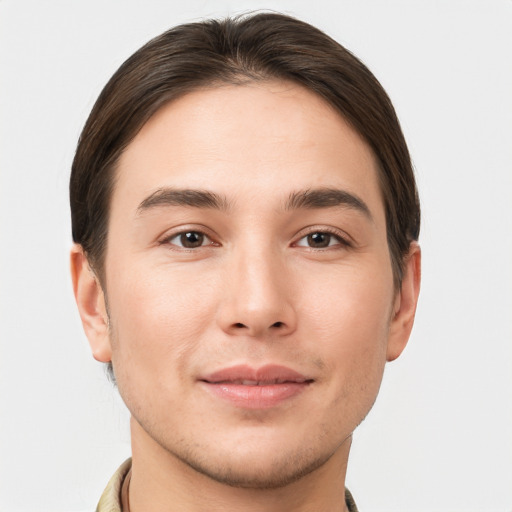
(256, 471)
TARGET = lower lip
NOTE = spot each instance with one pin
(256, 397)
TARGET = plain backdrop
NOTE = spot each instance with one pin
(440, 436)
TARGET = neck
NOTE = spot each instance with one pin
(161, 482)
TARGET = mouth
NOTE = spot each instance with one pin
(246, 382)
(261, 388)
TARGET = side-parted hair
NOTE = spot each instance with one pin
(251, 48)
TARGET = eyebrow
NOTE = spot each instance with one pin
(183, 197)
(301, 199)
(326, 198)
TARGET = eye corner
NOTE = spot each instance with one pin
(188, 239)
(325, 238)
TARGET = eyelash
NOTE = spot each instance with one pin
(341, 240)
(167, 240)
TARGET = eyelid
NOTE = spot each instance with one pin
(180, 230)
(344, 239)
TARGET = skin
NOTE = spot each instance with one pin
(255, 292)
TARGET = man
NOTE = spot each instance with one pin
(245, 218)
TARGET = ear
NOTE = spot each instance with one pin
(405, 304)
(90, 300)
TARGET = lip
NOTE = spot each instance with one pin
(256, 388)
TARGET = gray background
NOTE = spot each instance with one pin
(440, 435)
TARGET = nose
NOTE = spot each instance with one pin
(258, 297)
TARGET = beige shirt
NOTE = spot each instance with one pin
(111, 499)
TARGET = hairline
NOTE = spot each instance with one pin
(236, 79)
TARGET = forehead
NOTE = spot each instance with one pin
(260, 139)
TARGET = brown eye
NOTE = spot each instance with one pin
(192, 239)
(319, 240)
(322, 240)
(189, 240)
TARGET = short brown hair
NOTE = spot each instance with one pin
(264, 46)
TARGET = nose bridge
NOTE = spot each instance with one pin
(259, 296)
(258, 277)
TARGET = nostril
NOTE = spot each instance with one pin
(239, 325)
(277, 324)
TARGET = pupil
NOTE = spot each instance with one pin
(192, 239)
(319, 239)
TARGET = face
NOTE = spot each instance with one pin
(248, 279)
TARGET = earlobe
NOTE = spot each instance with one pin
(405, 304)
(90, 300)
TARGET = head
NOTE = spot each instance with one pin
(260, 48)
(242, 196)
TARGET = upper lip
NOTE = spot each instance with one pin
(245, 374)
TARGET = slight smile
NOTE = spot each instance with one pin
(260, 388)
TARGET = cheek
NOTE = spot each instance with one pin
(349, 320)
(350, 299)
(159, 316)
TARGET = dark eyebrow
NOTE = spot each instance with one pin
(326, 198)
(183, 197)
